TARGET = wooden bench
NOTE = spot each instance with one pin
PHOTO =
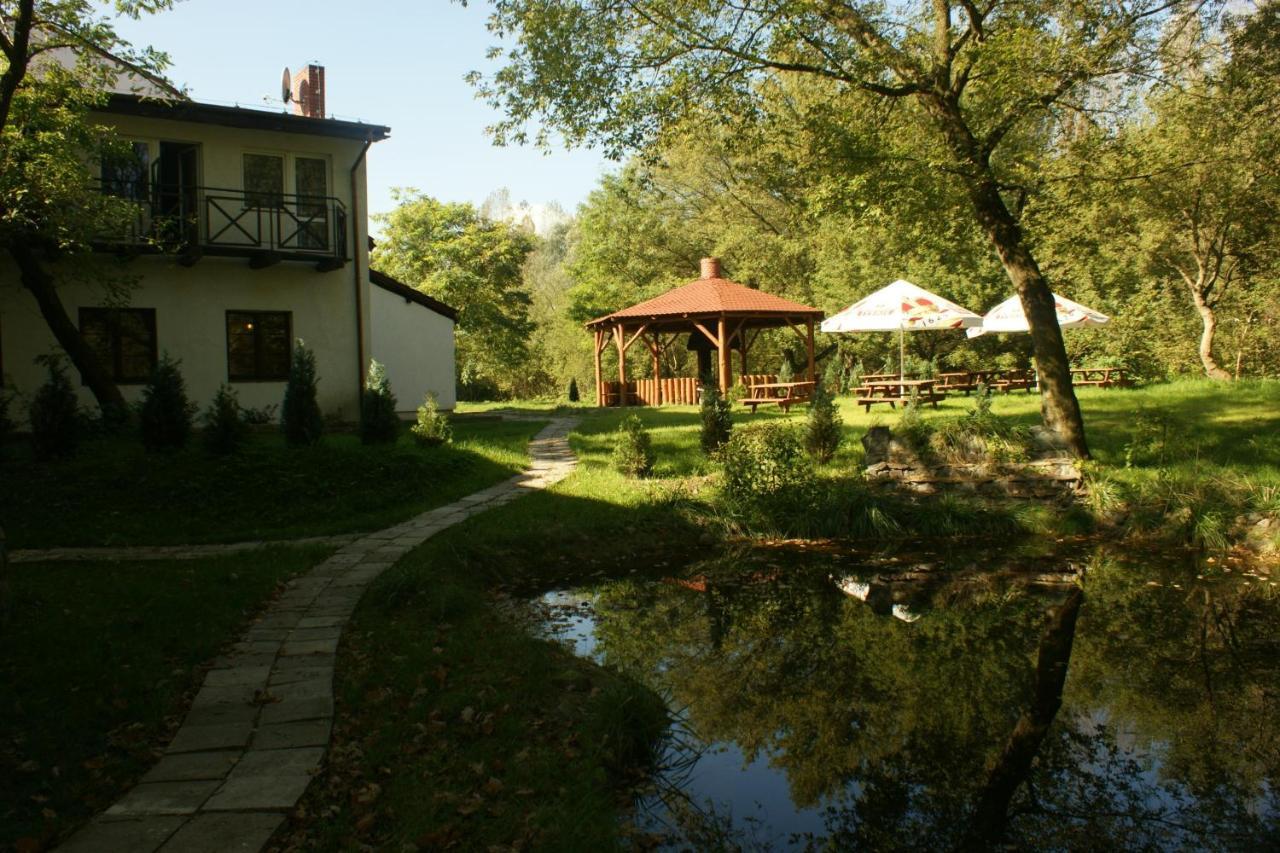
(961, 380)
(784, 395)
(1101, 377)
(1013, 380)
(896, 391)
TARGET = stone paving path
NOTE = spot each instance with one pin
(257, 730)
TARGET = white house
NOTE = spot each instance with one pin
(251, 231)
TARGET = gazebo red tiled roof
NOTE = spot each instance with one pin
(718, 315)
(708, 296)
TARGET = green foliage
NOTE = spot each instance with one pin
(833, 377)
(224, 424)
(300, 414)
(166, 412)
(455, 253)
(573, 390)
(767, 476)
(786, 373)
(379, 423)
(824, 426)
(633, 454)
(56, 424)
(717, 418)
(6, 422)
(432, 427)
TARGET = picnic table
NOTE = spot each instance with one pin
(1102, 377)
(959, 380)
(784, 395)
(895, 391)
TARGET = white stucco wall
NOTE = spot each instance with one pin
(191, 302)
(191, 305)
(416, 345)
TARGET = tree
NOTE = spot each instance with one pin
(474, 264)
(978, 87)
(49, 208)
(1209, 192)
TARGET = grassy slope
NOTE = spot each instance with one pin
(114, 493)
(95, 665)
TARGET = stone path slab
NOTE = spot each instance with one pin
(257, 730)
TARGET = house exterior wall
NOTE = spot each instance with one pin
(191, 302)
(416, 345)
(190, 308)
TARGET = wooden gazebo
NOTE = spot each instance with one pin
(716, 313)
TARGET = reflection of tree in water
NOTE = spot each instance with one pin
(942, 732)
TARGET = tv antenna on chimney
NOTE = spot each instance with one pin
(286, 86)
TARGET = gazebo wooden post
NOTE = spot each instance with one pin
(599, 380)
(809, 343)
(619, 336)
(655, 348)
(723, 353)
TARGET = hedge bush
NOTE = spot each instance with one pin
(379, 423)
(56, 424)
(432, 427)
(224, 423)
(633, 453)
(166, 412)
(300, 416)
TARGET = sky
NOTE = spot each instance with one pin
(394, 62)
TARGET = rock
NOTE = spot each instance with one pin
(877, 443)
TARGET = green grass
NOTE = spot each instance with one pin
(475, 732)
(95, 665)
(114, 493)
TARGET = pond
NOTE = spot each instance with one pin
(826, 698)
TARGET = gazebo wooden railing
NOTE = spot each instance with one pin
(715, 313)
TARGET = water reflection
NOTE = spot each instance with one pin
(832, 700)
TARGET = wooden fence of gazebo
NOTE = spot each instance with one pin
(716, 313)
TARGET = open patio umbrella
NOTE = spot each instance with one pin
(901, 307)
(1008, 316)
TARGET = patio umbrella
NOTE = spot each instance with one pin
(901, 307)
(1008, 316)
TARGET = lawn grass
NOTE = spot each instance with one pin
(96, 663)
(455, 725)
(114, 493)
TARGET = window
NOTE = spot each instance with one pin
(123, 339)
(312, 183)
(125, 173)
(263, 180)
(258, 345)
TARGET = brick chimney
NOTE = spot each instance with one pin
(308, 92)
(711, 268)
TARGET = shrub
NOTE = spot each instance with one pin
(432, 427)
(300, 416)
(6, 424)
(633, 448)
(55, 419)
(573, 391)
(768, 478)
(224, 424)
(259, 417)
(717, 419)
(786, 373)
(166, 412)
(832, 376)
(379, 423)
(822, 432)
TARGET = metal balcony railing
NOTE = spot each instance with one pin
(221, 221)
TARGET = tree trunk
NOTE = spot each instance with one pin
(1059, 407)
(38, 280)
(1210, 320)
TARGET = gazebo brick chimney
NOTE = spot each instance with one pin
(711, 268)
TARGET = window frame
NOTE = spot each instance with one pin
(259, 375)
(115, 366)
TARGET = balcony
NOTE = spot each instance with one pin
(192, 222)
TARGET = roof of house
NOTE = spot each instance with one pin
(242, 117)
(709, 296)
(410, 294)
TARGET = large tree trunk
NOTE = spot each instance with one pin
(1059, 407)
(38, 280)
(1210, 320)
